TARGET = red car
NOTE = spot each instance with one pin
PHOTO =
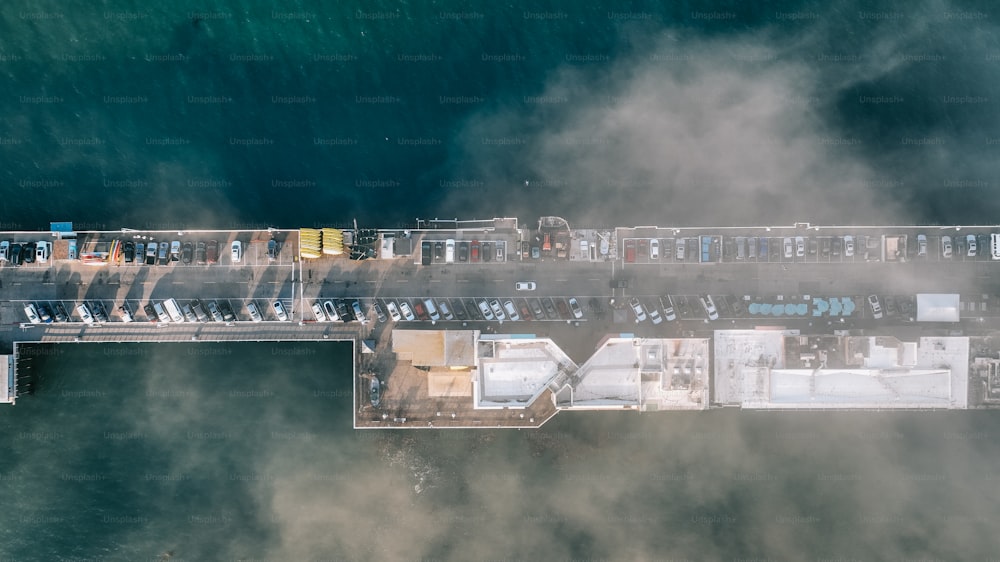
(475, 250)
(630, 251)
(420, 311)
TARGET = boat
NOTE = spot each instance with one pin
(94, 258)
(376, 394)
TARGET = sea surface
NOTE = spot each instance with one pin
(295, 114)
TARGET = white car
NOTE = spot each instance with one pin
(946, 246)
(575, 307)
(318, 312)
(279, 311)
(485, 310)
(921, 245)
(605, 246)
(584, 249)
(32, 314)
(800, 246)
(404, 307)
(789, 248)
(640, 314)
(43, 251)
(213, 310)
(126, 312)
(709, 306)
(849, 246)
(5, 250)
(497, 309)
(511, 311)
(654, 316)
(876, 306)
(84, 313)
(237, 251)
(254, 312)
(654, 249)
(393, 311)
(358, 314)
(331, 311)
(970, 241)
(524, 286)
(449, 251)
(175, 250)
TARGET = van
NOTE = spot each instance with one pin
(174, 311)
(449, 251)
(995, 246)
(431, 309)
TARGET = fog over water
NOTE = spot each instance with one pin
(679, 115)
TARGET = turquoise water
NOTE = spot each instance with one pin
(250, 114)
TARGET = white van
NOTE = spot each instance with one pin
(449, 251)
(431, 309)
(173, 310)
(995, 246)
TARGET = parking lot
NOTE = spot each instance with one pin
(811, 247)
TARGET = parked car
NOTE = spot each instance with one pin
(654, 315)
(485, 309)
(487, 251)
(574, 306)
(404, 308)
(164, 253)
(800, 246)
(946, 246)
(463, 251)
(875, 306)
(459, 309)
(449, 251)
(524, 286)
(272, 250)
(213, 310)
(393, 311)
(563, 309)
(709, 306)
(445, 311)
(317, 309)
(236, 251)
(668, 309)
(254, 312)
(425, 253)
(629, 251)
(331, 311)
(32, 314)
(438, 251)
(212, 251)
(199, 311)
(637, 311)
(5, 250)
(60, 312)
(358, 314)
(279, 311)
(497, 309)
(84, 314)
(379, 313)
(970, 243)
(500, 252)
(511, 311)
(654, 249)
(680, 249)
(550, 308)
(536, 308)
(188, 313)
(200, 254)
(849, 246)
(16, 254)
(128, 249)
(175, 250)
(420, 311)
(474, 251)
(28, 252)
(187, 252)
(921, 245)
(97, 309)
(150, 313)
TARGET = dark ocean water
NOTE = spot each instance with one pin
(301, 114)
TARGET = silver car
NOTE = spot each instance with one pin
(279, 311)
(331, 311)
(393, 311)
(497, 309)
(318, 312)
(404, 307)
(254, 312)
(485, 310)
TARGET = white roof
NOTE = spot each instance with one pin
(937, 307)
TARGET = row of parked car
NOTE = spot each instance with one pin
(164, 253)
(753, 248)
(441, 309)
(166, 311)
(449, 251)
(17, 253)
